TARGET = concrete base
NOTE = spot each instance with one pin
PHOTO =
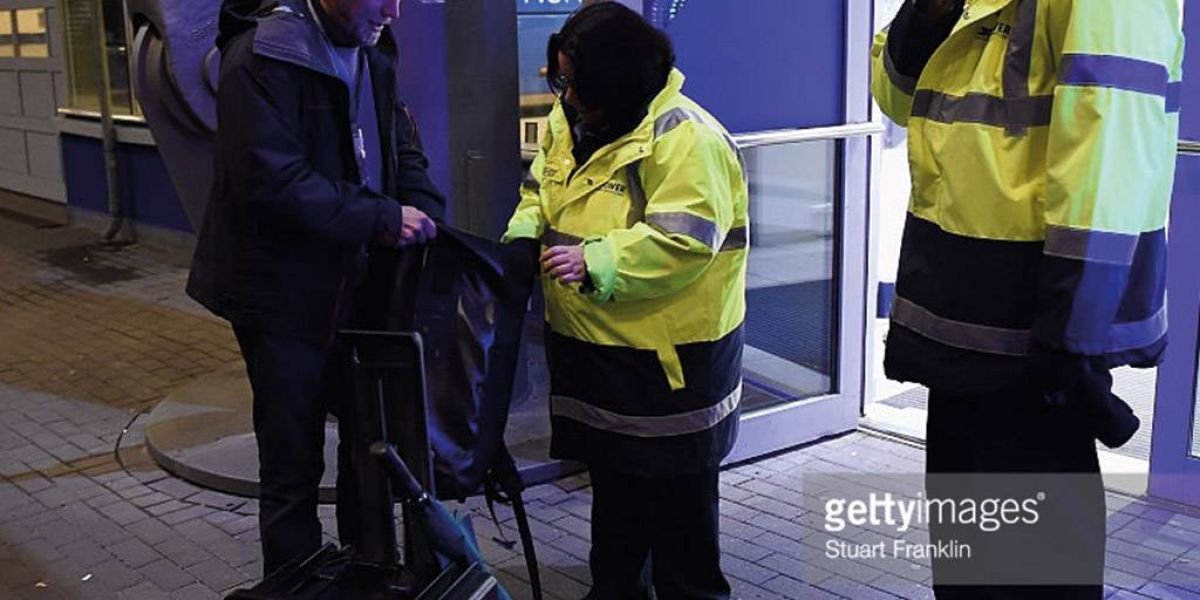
(37, 212)
(203, 433)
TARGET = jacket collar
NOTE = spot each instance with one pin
(292, 34)
(661, 104)
(978, 10)
(635, 143)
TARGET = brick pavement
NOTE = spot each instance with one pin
(105, 325)
(90, 336)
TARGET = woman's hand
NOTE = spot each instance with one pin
(565, 263)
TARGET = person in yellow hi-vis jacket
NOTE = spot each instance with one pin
(639, 200)
(1042, 139)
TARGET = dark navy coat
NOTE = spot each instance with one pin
(285, 237)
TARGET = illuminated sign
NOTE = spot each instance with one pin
(533, 7)
(661, 12)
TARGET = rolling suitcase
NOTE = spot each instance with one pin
(388, 408)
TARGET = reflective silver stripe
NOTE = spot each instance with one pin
(736, 239)
(702, 230)
(1020, 56)
(637, 194)
(1010, 113)
(551, 237)
(968, 336)
(673, 118)
(1094, 246)
(904, 83)
(646, 427)
(529, 182)
(1020, 50)
(1139, 334)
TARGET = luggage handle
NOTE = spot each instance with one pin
(410, 490)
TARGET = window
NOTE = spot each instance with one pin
(83, 69)
(33, 39)
(7, 41)
(8, 47)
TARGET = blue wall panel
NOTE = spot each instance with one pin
(1191, 74)
(146, 190)
(766, 64)
(83, 170)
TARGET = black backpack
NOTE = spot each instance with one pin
(467, 297)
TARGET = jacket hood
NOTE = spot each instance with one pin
(286, 31)
(238, 16)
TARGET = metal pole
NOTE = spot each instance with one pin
(108, 129)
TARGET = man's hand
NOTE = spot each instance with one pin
(404, 226)
(417, 228)
(565, 263)
(936, 8)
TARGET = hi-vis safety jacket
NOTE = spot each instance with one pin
(1042, 140)
(645, 363)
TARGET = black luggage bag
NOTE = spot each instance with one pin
(332, 574)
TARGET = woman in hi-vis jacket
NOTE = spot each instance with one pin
(639, 200)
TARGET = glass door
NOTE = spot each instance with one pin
(806, 286)
(1175, 454)
(791, 81)
(809, 196)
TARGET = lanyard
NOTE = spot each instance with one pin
(356, 131)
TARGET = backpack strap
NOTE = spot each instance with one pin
(493, 495)
(506, 476)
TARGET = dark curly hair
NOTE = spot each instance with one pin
(621, 62)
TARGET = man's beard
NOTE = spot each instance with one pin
(371, 38)
(341, 35)
(363, 37)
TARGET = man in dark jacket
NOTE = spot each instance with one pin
(317, 160)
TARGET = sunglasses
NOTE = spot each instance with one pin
(559, 83)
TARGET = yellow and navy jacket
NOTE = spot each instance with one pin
(645, 361)
(1042, 139)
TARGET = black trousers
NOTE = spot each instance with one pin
(670, 520)
(1014, 438)
(295, 384)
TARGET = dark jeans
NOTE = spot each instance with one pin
(295, 383)
(672, 520)
(1006, 433)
